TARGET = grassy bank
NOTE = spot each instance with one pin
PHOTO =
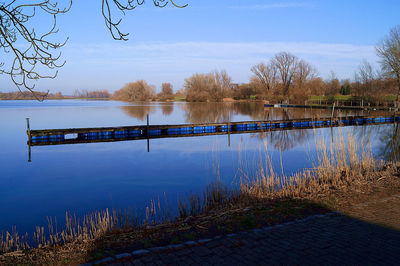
(342, 170)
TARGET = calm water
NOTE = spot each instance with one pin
(81, 178)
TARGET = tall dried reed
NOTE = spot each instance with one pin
(339, 163)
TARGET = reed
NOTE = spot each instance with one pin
(338, 164)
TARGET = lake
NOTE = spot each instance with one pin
(82, 178)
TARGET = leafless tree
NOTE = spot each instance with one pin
(317, 86)
(332, 84)
(166, 92)
(366, 76)
(135, 91)
(166, 88)
(266, 75)
(198, 87)
(222, 85)
(208, 87)
(35, 49)
(286, 64)
(37, 55)
(388, 50)
(304, 72)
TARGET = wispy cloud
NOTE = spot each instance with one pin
(275, 5)
(159, 52)
(109, 66)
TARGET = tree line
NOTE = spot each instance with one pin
(78, 94)
(285, 77)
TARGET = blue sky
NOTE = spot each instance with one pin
(170, 44)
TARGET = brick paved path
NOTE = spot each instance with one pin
(332, 239)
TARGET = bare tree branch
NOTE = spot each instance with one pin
(266, 75)
(39, 50)
(389, 52)
(287, 64)
(109, 6)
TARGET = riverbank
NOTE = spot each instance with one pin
(367, 201)
(339, 181)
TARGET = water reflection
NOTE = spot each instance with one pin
(222, 112)
(390, 139)
(167, 108)
(287, 139)
(244, 111)
(253, 110)
(139, 112)
(121, 175)
(206, 112)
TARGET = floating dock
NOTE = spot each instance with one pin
(111, 134)
(317, 106)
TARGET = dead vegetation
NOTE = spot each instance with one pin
(345, 173)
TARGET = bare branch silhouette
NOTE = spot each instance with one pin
(37, 49)
(112, 24)
(34, 55)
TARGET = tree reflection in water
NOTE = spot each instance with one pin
(390, 139)
(287, 139)
(222, 112)
(167, 108)
(194, 113)
(206, 112)
(139, 111)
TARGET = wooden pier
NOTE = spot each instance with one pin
(111, 134)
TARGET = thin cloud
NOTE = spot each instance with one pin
(222, 50)
(275, 6)
(107, 66)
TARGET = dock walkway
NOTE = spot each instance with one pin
(109, 134)
(327, 106)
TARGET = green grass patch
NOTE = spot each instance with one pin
(390, 98)
(336, 97)
(180, 98)
(343, 97)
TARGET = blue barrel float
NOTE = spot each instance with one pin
(198, 130)
(210, 129)
(155, 132)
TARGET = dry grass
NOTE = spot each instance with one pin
(338, 165)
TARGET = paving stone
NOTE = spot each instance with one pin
(183, 252)
(103, 261)
(122, 256)
(178, 246)
(140, 252)
(212, 244)
(202, 251)
(158, 249)
(138, 263)
(202, 241)
(190, 243)
(320, 240)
